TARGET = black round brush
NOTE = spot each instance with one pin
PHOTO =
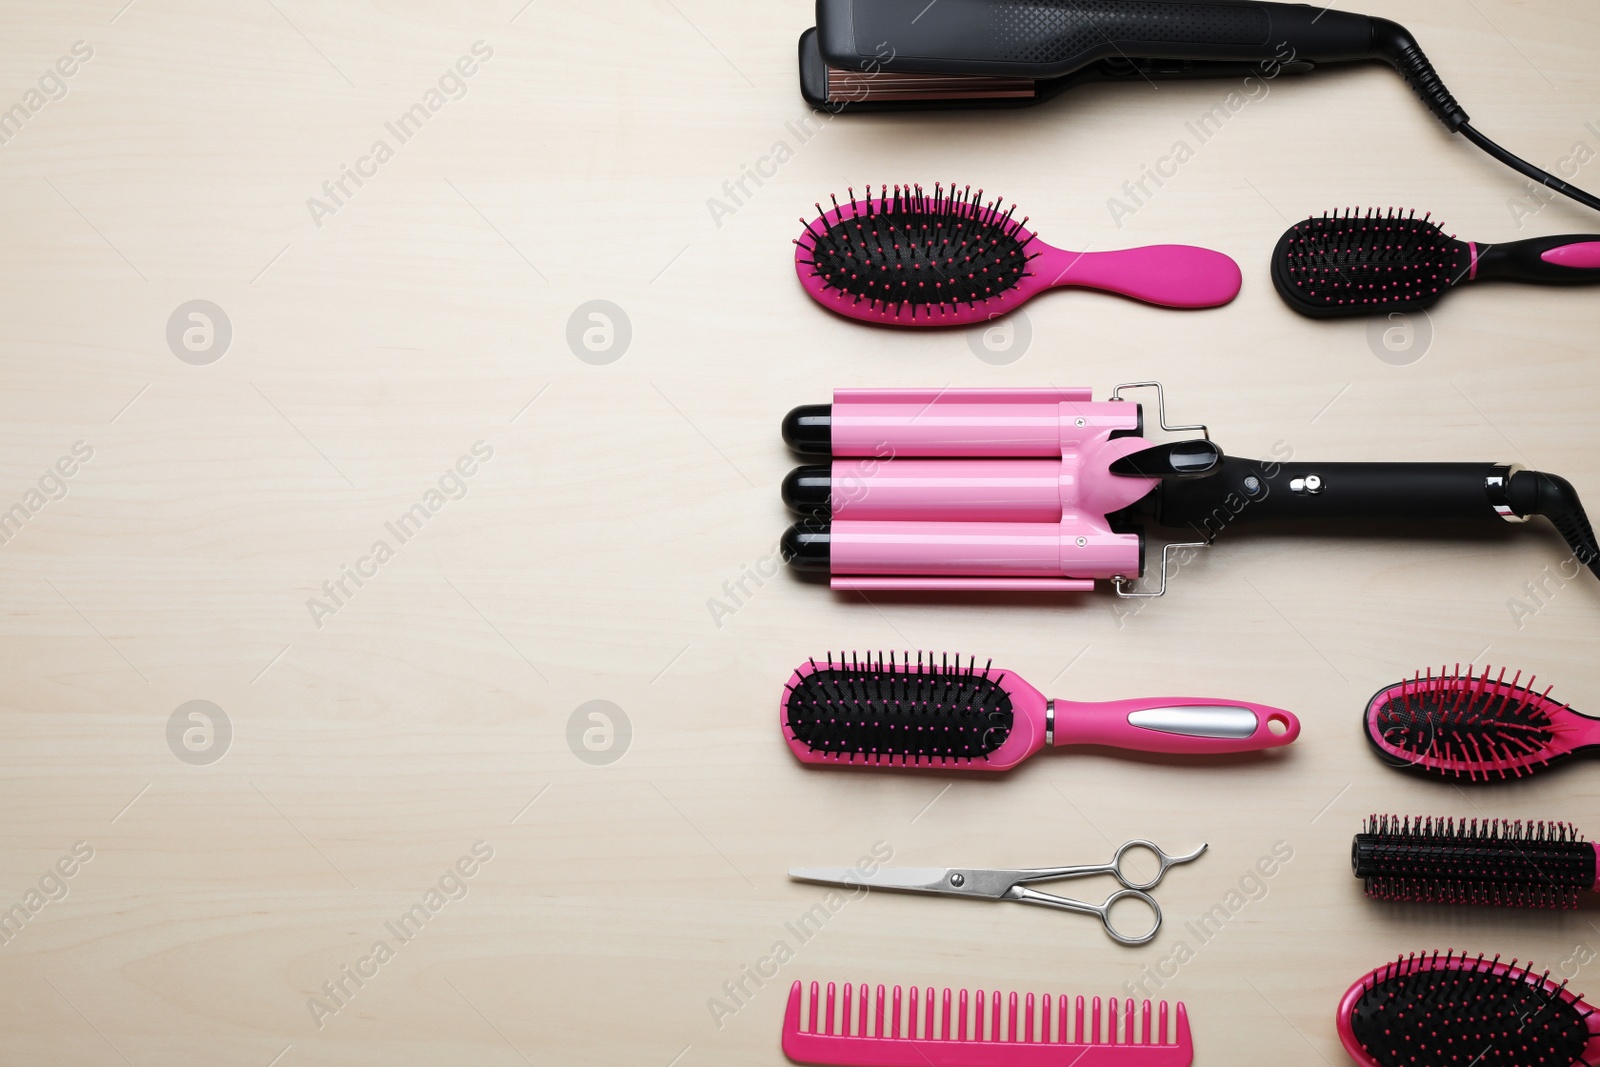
(1491, 861)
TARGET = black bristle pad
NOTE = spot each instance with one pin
(1490, 861)
(908, 247)
(887, 712)
(1460, 1013)
(1467, 720)
(1374, 262)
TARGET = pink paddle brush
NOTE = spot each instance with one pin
(907, 258)
(1455, 1010)
(897, 1031)
(938, 714)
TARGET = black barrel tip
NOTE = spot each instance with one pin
(808, 490)
(808, 429)
(806, 546)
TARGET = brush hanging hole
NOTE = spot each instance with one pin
(1278, 725)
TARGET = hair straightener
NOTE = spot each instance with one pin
(912, 54)
(1049, 490)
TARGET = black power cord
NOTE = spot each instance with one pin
(1394, 43)
(1522, 166)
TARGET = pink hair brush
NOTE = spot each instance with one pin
(1477, 727)
(1458, 1011)
(898, 1031)
(937, 714)
(908, 258)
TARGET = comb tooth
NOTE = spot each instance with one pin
(1144, 1023)
(961, 1023)
(791, 1012)
(1012, 1022)
(1061, 1021)
(994, 1016)
(894, 1015)
(1094, 1024)
(1113, 1030)
(979, 1015)
(863, 998)
(1045, 1018)
(828, 1019)
(1163, 1036)
(911, 1011)
(1077, 1029)
(812, 1028)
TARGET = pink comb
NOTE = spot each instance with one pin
(909, 258)
(911, 1028)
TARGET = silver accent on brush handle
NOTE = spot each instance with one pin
(1221, 721)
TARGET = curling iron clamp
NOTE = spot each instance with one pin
(1048, 490)
(876, 55)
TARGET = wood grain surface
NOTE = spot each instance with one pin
(398, 758)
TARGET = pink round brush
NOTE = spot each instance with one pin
(937, 714)
(908, 258)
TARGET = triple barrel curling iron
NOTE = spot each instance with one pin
(874, 55)
(1049, 490)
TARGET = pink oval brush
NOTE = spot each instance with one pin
(1477, 727)
(907, 258)
(935, 713)
(1449, 1009)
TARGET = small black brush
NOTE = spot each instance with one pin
(1378, 262)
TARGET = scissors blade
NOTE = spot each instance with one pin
(904, 879)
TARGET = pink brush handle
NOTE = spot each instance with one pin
(1179, 276)
(1182, 725)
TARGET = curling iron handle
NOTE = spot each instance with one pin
(1176, 725)
(1247, 491)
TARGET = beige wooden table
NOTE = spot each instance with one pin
(398, 757)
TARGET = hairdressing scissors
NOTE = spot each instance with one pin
(987, 884)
